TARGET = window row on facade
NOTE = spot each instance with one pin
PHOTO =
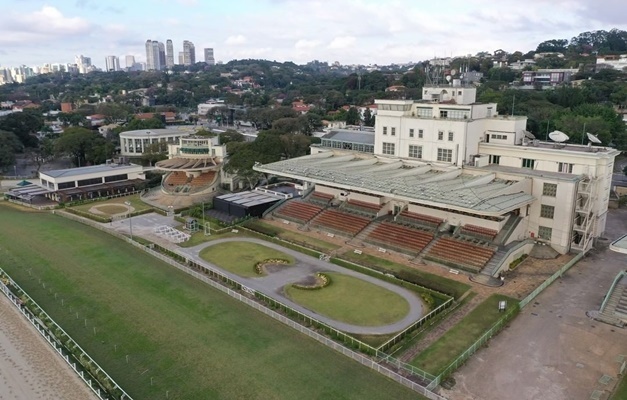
(415, 151)
(412, 133)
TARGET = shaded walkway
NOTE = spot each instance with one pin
(272, 285)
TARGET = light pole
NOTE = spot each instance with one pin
(15, 170)
(130, 218)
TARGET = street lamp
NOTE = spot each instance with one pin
(130, 218)
(15, 169)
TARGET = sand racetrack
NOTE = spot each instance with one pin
(29, 368)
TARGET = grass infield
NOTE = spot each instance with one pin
(116, 203)
(193, 341)
(240, 257)
(435, 358)
(352, 300)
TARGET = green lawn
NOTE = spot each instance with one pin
(134, 199)
(621, 390)
(240, 257)
(435, 358)
(291, 236)
(431, 281)
(194, 341)
(352, 300)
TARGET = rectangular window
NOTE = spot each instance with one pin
(450, 136)
(393, 131)
(547, 211)
(115, 178)
(411, 133)
(420, 133)
(385, 130)
(565, 168)
(544, 232)
(495, 160)
(549, 189)
(66, 185)
(443, 114)
(445, 155)
(528, 163)
(440, 135)
(87, 182)
(415, 151)
(388, 148)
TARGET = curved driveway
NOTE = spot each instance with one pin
(272, 285)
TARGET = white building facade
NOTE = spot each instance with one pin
(135, 143)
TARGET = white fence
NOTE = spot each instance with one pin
(56, 342)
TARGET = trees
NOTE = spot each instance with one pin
(554, 45)
(155, 152)
(353, 117)
(83, 146)
(368, 117)
(9, 145)
(23, 125)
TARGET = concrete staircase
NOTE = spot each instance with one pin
(507, 230)
(616, 305)
(495, 262)
(360, 238)
(420, 256)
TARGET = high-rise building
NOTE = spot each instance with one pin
(130, 62)
(209, 59)
(112, 63)
(169, 53)
(153, 56)
(162, 59)
(189, 53)
(181, 57)
(83, 64)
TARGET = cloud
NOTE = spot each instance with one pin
(342, 42)
(188, 2)
(307, 44)
(235, 40)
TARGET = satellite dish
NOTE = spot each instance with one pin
(448, 78)
(529, 135)
(593, 138)
(558, 136)
(453, 72)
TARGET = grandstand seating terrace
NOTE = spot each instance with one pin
(420, 220)
(203, 179)
(479, 231)
(398, 237)
(459, 253)
(362, 207)
(337, 221)
(320, 198)
(176, 179)
(297, 211)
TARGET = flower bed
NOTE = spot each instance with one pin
(261, 265)
(322, 281)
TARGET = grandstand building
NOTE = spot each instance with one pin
(136, 143)
(452, 181)
(193, 167)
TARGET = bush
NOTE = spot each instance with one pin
(323, 281)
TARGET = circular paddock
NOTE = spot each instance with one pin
(111, 209)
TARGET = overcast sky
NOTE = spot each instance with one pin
(34, 32)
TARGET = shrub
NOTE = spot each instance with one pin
(322, 281)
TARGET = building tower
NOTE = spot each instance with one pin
(162, 57)
(189, 53)
(209, 59)
(153, 56)
(130, 62)
(150, 56)
(112, 63)
(169, 53)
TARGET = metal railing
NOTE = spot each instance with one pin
(46, 326)
(612, 286)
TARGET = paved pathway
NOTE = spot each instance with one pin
(272, 285)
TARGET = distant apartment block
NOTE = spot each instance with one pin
(112, 63)
(189, 53)
(618, 62)
(548, 77)
(209, 58)
(169, 53)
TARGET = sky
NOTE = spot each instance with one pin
(34, 32)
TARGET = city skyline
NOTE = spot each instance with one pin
(395, 32)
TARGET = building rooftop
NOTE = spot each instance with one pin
(92, 169)
(346, 135)
(619, 245)
(155, 132)
(561, 147)
(250, 198)
(529, 172)
(421, 183)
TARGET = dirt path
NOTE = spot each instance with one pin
(29, 368)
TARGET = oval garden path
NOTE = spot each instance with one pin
(272, 285)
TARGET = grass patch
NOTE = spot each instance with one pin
(291, 236)
(435, 358)
(240, 257)
(111, 209)
(352, 300)
(373, 340)
(134, 199)
(431, 281)
(196, 342)
(621, 390)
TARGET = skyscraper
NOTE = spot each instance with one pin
(209, 60)
(189, 53)
(112, 63)
(130, 62)
(162, 58)
(153, 56)
(169, 54)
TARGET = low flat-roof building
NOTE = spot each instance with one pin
(135, 143)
